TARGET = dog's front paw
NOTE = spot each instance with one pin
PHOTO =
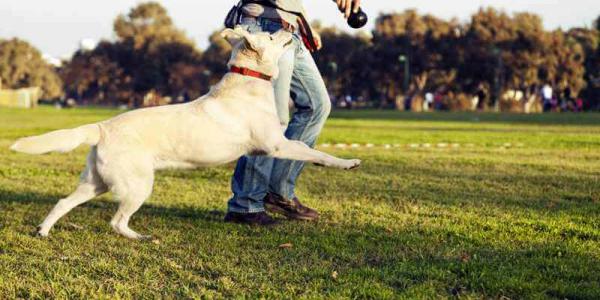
(40, 232)
(350, 164)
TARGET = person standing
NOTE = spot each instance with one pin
(262, 183)
(428, 101)
(547, 94)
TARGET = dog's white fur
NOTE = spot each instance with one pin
(237, 117)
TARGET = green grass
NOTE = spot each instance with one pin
(483, 220)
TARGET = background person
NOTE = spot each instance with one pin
(547, 94)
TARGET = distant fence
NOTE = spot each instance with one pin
(24, 98)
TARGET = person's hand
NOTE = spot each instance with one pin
(318, 40)
(348, 6)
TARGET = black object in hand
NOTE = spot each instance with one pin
(358, 19)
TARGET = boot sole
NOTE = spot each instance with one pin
(278, 210)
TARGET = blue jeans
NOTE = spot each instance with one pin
(300, 79)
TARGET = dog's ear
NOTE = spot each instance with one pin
(233, 36)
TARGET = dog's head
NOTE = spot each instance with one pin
(260, 51)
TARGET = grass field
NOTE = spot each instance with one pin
(512, 211)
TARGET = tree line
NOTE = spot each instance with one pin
(406, 56)
(409, 55)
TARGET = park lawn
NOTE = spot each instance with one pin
(512, 210)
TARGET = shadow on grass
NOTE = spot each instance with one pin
(49, 200)
(372, 260)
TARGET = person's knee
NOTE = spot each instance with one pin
(323, 108)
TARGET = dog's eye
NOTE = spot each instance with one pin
(271, 38)
(288, 43)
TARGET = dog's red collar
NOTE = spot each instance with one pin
(248, 72)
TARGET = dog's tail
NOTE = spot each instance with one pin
(64, 140)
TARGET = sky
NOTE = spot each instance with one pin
(57, 26)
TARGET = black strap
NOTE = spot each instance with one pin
(305, 24)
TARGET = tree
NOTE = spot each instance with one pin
(426, 43)
(589, 39)
(493, 53)
(21, 66)
(346, 72)
(515, 53)
(98, 76)
(563, 64)
(148, 25)
(487, 45)
(149, 56)
(525, 53)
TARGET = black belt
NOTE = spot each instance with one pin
(284, 24)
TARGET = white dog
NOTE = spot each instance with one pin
(237, 117)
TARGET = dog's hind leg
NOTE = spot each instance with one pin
(131, 192)
(296, 150)
(90, 186)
